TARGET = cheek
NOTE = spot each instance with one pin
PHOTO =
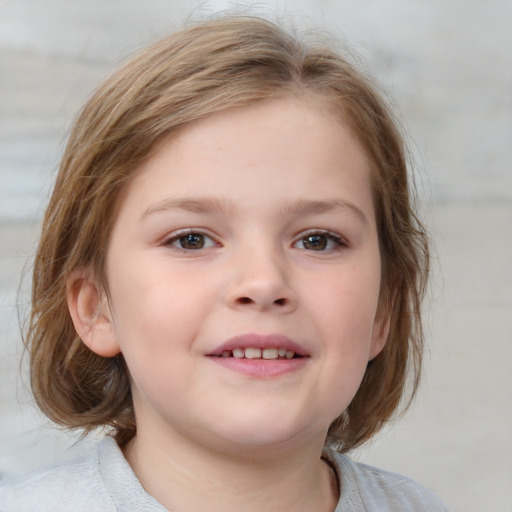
(156, 306)
(346, 308)
(155, 328)
(348, 300)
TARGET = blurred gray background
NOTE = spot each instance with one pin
(448, 64)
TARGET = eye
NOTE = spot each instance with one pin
(191, 241)
(320, 241)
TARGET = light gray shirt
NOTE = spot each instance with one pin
(104, 482)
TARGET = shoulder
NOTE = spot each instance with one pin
(368, 488)
(74, 486)
(101, 481)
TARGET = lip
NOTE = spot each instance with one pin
(260, 368)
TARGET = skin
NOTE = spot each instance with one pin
(278, 201)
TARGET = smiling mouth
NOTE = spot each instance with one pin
(260, 350)
(261, 356)
(261, 353)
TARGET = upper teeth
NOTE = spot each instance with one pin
(258, 353)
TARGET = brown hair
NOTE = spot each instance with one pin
(207, 68)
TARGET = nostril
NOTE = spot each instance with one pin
(248, 300)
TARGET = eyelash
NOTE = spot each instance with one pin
(330, 238)
(176, 237)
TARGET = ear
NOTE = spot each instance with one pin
(380, 331)
(90, 312)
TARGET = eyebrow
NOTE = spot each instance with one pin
(304, 206)
(206, 204)
(192, 204)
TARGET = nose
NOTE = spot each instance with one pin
(261, 282)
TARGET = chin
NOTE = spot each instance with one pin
(267, 436)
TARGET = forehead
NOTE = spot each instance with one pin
(281, 149)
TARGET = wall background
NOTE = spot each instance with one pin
(449, 67)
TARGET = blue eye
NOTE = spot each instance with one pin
(320, 241)
(191, 241)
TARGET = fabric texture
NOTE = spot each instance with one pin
(104, 482)
(365, 488)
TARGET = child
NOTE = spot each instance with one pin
(229, 279)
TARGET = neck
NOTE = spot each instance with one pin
(184, 476)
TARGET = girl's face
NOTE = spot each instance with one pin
(244, 276)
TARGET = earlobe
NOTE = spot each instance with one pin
(380, 334)
(91, 315)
